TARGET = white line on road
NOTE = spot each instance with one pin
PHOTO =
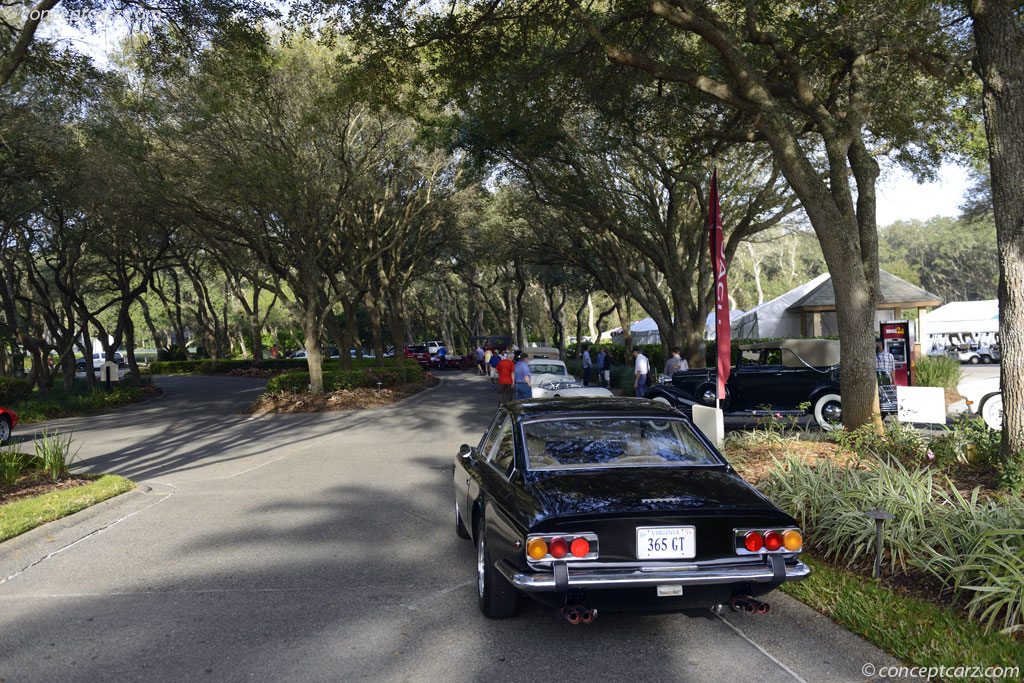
(89, 535)
(743, 635)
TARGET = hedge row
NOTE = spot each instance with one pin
(336, 380)
(222, 367)
(12, 389)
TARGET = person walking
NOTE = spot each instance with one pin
(493, 368)
(442, 354)
(588, 365)
(523, 378)
(641, 369)
(606, 370)
(600, 365)
(676, 363)
(505, 369)
(479, 354)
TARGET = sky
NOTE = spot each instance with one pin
(899, 196)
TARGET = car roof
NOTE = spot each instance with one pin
(590, 406)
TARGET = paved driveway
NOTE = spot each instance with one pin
(321, 548)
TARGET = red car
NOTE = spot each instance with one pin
(8, 421)
(419, 352)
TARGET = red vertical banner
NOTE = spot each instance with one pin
(722, 322)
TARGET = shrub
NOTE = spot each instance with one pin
(939, 371)
(54, 453)
(973, 547)
(337, 380)
(12, 464)
(13, 389)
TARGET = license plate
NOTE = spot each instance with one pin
(666, 542)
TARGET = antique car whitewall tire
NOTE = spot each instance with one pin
(5, 430)
(992, 412)
(975, 360)
(662, 399)
(460, 528)
(828, 412)
(498, 599)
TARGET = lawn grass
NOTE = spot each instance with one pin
(21, 515)
(918, 632)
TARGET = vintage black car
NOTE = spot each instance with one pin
(785, 377)
(615, 503)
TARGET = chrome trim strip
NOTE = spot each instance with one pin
(630, 578)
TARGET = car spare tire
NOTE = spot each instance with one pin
(828, 412)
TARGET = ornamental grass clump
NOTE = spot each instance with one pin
(54, 453)
(974, 547)
(12, 464)
(939, 371)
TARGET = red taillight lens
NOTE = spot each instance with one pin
(772, 540)
(558, 548)
(753, 541)
(580, 547)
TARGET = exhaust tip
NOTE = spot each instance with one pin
(587, 616)
(763, 608)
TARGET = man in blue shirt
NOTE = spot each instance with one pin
(442, 354)
(479, 355)
(588, 366)
(522, 378)
(600, 366)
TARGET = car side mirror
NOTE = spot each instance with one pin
(465, 450)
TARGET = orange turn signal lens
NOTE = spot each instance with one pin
(536, 548)
(792, 540)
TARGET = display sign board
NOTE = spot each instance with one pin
(711, 422)
(921, 404)
(109, 373)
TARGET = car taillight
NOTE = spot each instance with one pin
(537, 548)
(772, 541)
(792, 540)
(753, 541)
(568, 547)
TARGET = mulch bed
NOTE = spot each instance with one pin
(29, 486)
(354, 399)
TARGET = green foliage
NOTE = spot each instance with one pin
(174, 353)
(918, 632)
(13, 389)
(54, 453)
(22, 515)
(12, 463)
(337, 380)
(900, 443)
(973, 547)
(79, 402)
(939, 371)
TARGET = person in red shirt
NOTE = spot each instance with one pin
(505, 382)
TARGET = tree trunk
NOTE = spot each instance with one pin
(337, 335)
(129, 349)
(579, 326)
(520, 331)
(314, 357)
(349, 334)
(397, 322)
(90, 373)
(1000, 42)
(373, 310)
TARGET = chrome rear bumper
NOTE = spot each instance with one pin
(635, 578)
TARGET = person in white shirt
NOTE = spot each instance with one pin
(641, 369)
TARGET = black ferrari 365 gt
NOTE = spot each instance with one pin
(588, 504)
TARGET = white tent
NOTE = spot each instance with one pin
(709, 322)
(642, 331)
(771, 319)
(975, 322)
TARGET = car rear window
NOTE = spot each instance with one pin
(417, 349)
(546, 369)
(588, 443)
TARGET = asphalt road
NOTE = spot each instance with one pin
(321, 548)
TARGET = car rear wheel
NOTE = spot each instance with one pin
(5, 430)
(828, 412)
(992, 412)
(498, 599)
(975, 360)
(986, 359)
(460, 528)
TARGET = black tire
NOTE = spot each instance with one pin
(986, 359)
(460, 528)
(974, 360)
(5, 430)
(498, 599)
(828, 412)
